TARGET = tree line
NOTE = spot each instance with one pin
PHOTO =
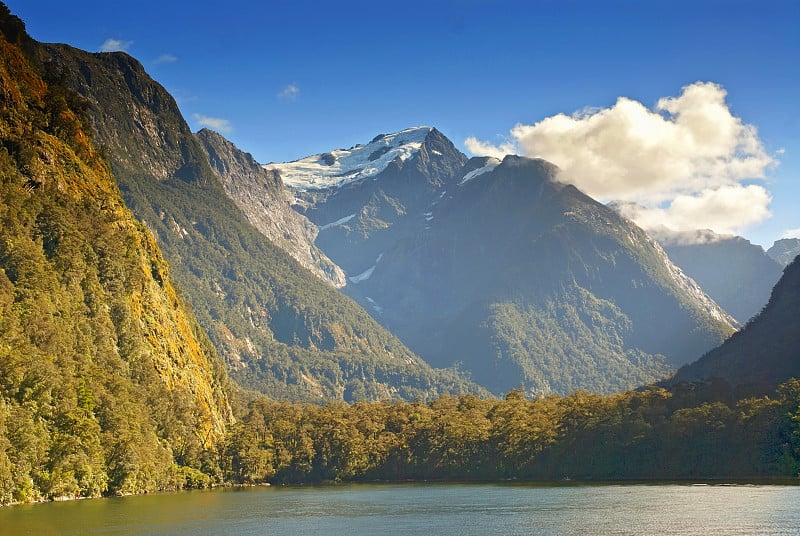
(694, 431)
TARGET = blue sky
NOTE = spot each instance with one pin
(286, 79)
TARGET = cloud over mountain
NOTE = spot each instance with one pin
(684, 163)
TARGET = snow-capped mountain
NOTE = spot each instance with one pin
(496, 267)
(343, 166)
(357, 217)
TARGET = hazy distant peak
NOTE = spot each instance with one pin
(785, 250)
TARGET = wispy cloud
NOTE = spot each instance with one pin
(115, 45)
(182, 96)
(290, 92)
(166, 58)
(215, 123)
(686, 164)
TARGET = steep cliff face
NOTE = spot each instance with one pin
(107, 384)
(280, 329)
(261, 196)
(146, 133)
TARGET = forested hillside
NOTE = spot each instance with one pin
(696, 432)
(107, 384)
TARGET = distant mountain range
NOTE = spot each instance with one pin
(498, 268)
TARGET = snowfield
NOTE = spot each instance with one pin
(342, 166)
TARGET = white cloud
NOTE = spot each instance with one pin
(115, 45)
(726, 210)
(166, 58)
(290, 92)
(683, 161)
(220, 125)
(478, 147)
(791, 233)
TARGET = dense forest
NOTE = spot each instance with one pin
(697, 431)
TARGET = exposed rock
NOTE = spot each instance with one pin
(260, 194)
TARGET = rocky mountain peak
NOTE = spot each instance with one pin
(785, 250)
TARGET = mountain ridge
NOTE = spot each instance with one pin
(737, 274)
(784, 250)
(270, 211)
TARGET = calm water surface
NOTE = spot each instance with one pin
(446, 509)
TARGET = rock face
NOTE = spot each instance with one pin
(499, 268)
(738, 275)
(766, 352)
(280, 329)
(785, 250)
(261, 196)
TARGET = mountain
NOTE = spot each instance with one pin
(369, 195)
(270, 211)
(738, 275)
(766, 352)
(107, 383)
(281, 330)
(498, 268)
(785, 250)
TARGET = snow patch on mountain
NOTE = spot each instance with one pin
(363, 276)
(338, 222)
(377, 308)
(490, 165)
(342, 166)
(366, 274)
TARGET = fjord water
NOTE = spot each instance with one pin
(446, 509)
